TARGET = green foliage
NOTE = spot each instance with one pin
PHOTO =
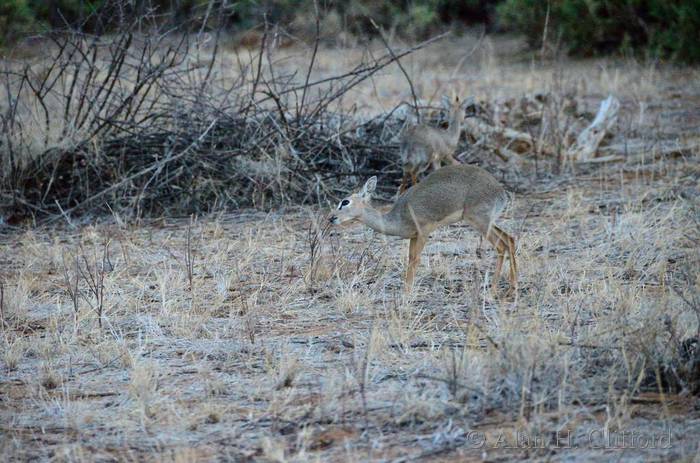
(67, 11)
(412, 18)
(467, 11)
(681, 39)
(16, 17)
(422, 16)
(664, 28)
(20, 17)
(525, 16)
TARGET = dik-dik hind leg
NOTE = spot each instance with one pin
(501, 250)
(480, 221)
(509, 244)
(415, 247)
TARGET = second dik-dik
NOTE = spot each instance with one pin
(422, 146)
(448, 195)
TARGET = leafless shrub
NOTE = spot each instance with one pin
(71, 281)
(189, 258)
(143, 123)
(91, 271)
(315, 237)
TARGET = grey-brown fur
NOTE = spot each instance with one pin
(448, 195)
(464, 188)
(422, 146)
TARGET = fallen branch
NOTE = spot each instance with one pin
(588, 141)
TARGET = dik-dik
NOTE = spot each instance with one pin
(422, 146)
(446, 196)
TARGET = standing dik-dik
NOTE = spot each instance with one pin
(448, 195)
(422, 146)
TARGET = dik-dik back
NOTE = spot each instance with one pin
(422, 145)
(450, 194)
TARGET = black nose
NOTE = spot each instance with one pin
(332, 219)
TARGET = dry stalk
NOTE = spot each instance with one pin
(72, 288)
(94, 276)
(2, 305)
(189, 258)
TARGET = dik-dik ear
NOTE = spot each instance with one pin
(369, 187)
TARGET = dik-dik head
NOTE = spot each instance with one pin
(351, 208)
(454, 106)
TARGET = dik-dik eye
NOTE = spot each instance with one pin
(344, 202)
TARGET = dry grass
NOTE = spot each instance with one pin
(251, 349)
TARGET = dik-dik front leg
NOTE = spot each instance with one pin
(404, 182)
(407, 177)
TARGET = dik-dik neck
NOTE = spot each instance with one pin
(455, 127)
(383, 223)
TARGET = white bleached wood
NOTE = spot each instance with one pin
(586, 144)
